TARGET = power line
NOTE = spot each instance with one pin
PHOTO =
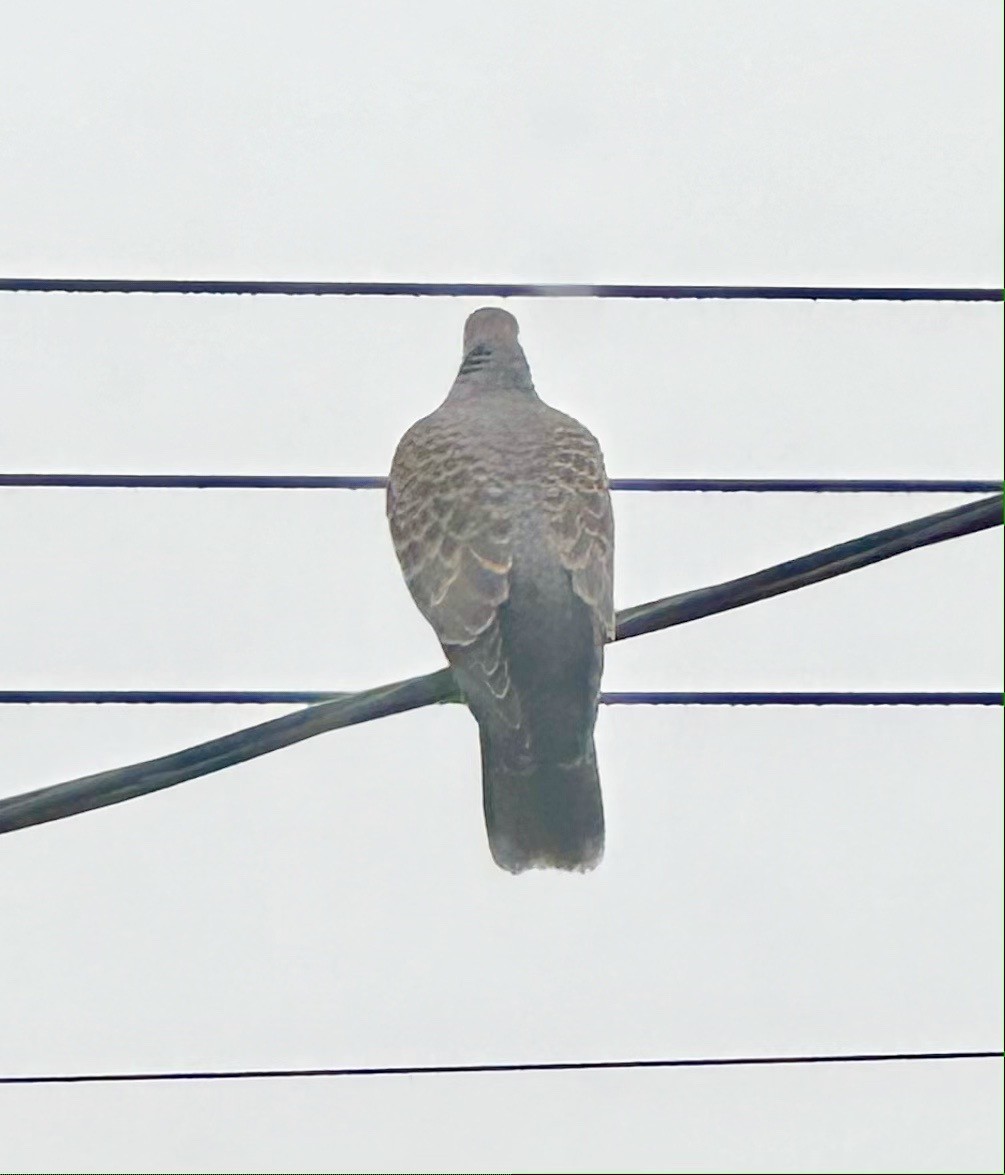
(515, 1067)
(135, 779)
(615, 698)
(820, 698)
(721, 485)
(805, 485)
(80, 285)
(813, 568)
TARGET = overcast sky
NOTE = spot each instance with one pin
(776, 880)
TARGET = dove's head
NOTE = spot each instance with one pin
(494, 362)
(490, 326)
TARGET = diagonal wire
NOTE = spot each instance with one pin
(76, 285)
(126, 783)
(512, 1067)
(284, 481)
(99, 697)
(812, 568)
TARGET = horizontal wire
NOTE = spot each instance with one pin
(819, 698)
(721, 485)
(79, 285)
(515, 1067)
(615, 698)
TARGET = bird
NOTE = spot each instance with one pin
(500, 514)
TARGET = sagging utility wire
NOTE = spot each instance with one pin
(137, 779)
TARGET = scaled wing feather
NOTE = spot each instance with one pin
(453, 549)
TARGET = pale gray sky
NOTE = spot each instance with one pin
(776, 881)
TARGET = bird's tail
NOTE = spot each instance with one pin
(545, 815)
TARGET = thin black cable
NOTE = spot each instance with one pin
(721, 485)
(615, 698)
(79, 285)
(516, 1067)
(819, 698)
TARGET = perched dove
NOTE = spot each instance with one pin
(501, 519)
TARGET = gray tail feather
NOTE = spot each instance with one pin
(546, 815)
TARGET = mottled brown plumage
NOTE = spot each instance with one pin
(501, 519)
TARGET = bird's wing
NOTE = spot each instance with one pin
(451, 531)
(577, 503)
(453, 537)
